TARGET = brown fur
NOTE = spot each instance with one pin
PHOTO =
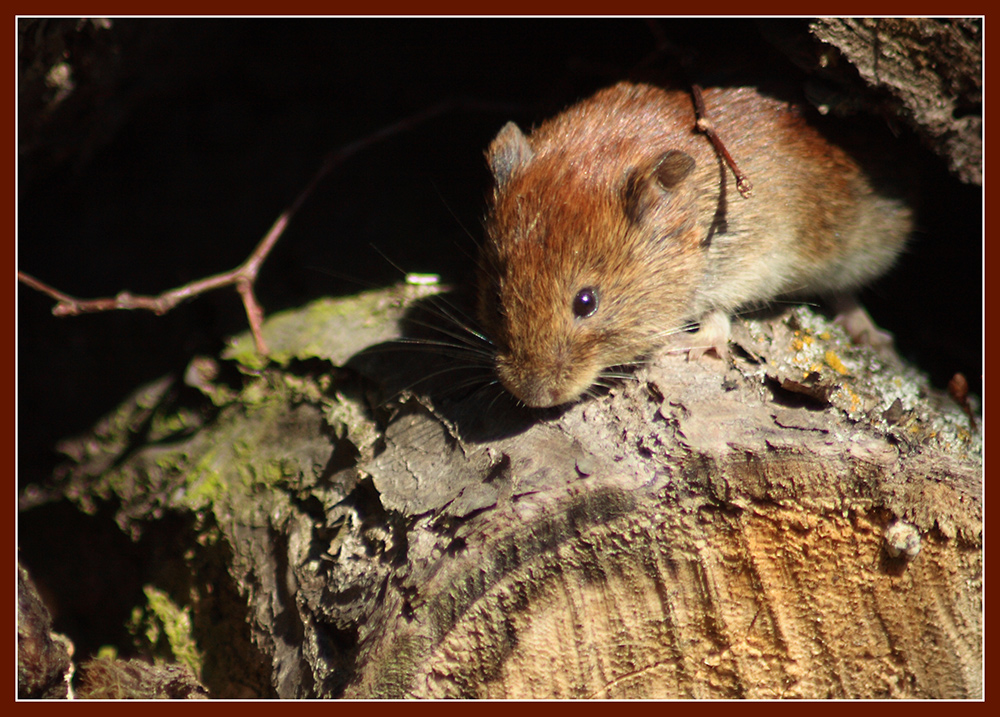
(620, 194)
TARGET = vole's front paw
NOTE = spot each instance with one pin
(712, 335)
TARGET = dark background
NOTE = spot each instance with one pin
(187, 138)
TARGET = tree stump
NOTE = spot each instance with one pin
(803, 520)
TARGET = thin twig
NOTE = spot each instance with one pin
(244, 276)
(705, 125)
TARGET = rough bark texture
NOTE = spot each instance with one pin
(43, 664)
(111, 679)
(709, 529)
(932, 70)
(921, 72)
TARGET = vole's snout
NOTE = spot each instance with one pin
(553, 385)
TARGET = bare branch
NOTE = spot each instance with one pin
(705, 125)
(244, 276)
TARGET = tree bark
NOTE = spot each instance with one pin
(709, 529)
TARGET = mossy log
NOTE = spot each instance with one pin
(708, 529)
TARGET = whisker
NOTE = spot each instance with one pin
(496, 398)
(435, 346)
(454, 216)
(448, 310)
(468, 340)
(409, 388)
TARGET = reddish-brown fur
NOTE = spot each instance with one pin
(620, 194)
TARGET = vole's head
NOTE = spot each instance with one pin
(591, 255)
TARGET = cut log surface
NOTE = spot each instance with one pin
(707, 529)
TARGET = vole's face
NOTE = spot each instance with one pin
(566, 291)
(554, 325)
(571, 274)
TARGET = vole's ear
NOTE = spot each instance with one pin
(650, 183)
(509, 151)
(672, 168)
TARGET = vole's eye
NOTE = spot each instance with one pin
(585, 303)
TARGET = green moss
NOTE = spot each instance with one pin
(205, 484)
(165, 629)
(166, 424)
(304, 388)
(331, 329)
(256, 392)
(173, 461)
